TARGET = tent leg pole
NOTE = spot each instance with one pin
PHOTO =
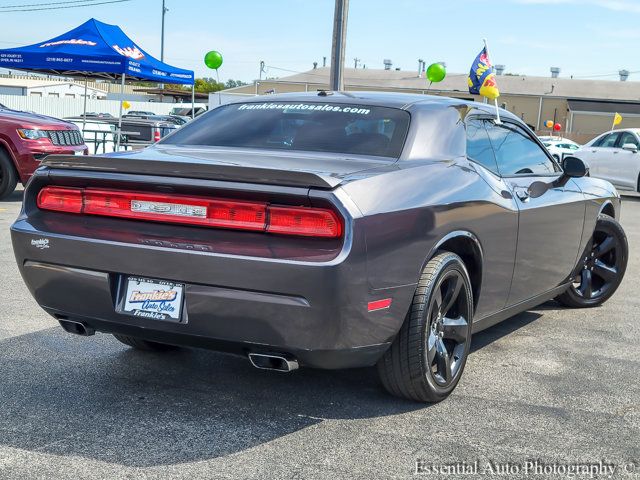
(120, 114)
(84, 113)
(193, 101)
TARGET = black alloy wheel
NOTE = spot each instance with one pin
(602, 266)
(448, 332)
(428, 355)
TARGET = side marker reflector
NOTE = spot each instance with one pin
(379, 304)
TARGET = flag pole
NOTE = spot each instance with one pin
(495, 100)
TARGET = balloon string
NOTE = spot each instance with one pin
(429, 87)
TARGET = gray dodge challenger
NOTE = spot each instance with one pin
(327, 230)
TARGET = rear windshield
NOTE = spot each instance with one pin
(317, 127)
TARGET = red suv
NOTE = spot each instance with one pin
(26, 138)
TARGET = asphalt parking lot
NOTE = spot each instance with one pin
(554, 385)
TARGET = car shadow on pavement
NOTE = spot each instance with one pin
(502, 329)
(94, 398)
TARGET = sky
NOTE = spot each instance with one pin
(585, 38)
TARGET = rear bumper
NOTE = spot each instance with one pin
(314, 311)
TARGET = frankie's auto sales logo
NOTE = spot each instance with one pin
(155, 296)
(71, 41)
(130, 52)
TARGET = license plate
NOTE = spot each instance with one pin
(78, 152)
(155, 299)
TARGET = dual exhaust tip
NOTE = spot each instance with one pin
(279, 363)
(263, 361)
(77, 328)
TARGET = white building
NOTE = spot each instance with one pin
(46, 88)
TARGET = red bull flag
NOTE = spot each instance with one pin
(482, 78)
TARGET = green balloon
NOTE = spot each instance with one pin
(213, 59)
(436, 72)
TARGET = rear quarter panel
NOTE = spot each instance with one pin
(407, 210)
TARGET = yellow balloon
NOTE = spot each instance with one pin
(126, 105)
(548, 124)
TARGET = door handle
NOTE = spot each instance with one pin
(593, 151)
(615, 151)
(523, 194)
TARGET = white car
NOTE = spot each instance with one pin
(614, 156)
(559, 147)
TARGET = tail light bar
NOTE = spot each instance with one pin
(188, 210)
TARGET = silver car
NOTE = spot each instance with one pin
(614, 156)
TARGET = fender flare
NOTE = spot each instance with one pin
(467, 235)
(608, 204)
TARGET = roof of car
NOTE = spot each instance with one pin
(381, 99)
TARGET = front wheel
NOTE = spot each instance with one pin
(428, 355)
(602, 266)
(8, 176)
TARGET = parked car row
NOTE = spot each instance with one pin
(614, 156)
(559, 147)
(26, 138)
(611, 156)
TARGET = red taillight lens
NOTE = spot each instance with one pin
(311, 222)
(187, 210)
(156, 136)
(60, 199)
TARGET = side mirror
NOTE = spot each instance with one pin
(574, 167)
(632, 147)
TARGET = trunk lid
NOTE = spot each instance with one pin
(275, 167)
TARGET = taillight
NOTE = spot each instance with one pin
(156, 136)
(60, 199)
(312, 222)
(188, 210)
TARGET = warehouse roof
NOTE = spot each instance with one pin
(508, 84)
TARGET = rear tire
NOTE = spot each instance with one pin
(602, 266)
(8, 175)
(146, 345)
(428, 355)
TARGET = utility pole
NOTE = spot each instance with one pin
(164, 11)
(261, 70)
(356, 61)
(336, 79)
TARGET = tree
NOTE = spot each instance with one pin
(234, 83)
(208, 84)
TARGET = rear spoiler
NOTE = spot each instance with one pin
(200, 170)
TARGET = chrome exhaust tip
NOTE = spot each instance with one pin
(278, 363)
(77, 328)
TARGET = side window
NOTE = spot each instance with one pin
(608, 141)
(517, 153)
(627, 137)
(479, 146)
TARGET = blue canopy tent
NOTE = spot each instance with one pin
(96, 50)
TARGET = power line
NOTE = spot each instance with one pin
(45, 4)
(64, 7)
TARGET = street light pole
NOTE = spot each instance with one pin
(164, 11)
(336, 78)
